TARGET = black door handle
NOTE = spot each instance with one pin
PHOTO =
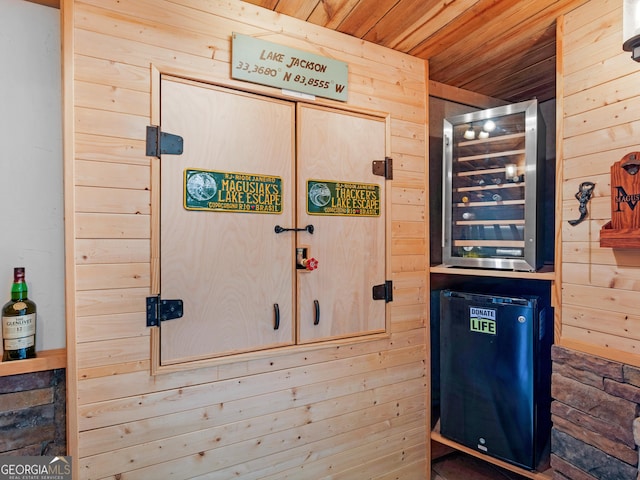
(316, 305)
(276, 314)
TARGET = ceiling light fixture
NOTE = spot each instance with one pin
(631, 28)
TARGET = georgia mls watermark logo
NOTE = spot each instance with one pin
(35, 468)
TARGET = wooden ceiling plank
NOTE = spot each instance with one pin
(270, 4)
(513, 69)
(530, 78)
(475, 19)
(495, 37)
(460, 95)
(442, 14)
(457, 61)
(301, 9)
(512, 86)
(526, 25)
(540, 91)
(364, 16)
(454, 26)
(517, 83)
(397, 20)
(331, 13)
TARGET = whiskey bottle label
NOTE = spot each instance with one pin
(19, 332)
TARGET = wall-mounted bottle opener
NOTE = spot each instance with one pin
(583, 195)
(304, 261)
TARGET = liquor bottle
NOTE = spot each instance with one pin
(18, 321)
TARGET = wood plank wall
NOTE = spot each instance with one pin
(355, 411)
(600, 89)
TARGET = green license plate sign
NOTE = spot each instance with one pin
(343, 198)
(232, 192)
(258, 61)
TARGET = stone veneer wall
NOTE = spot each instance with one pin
(33, 414)
(595, 403)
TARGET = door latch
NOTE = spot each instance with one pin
(308, 228)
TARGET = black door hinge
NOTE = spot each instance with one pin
(383, 168)
(383, 291)
(161, 143)
(159, 310)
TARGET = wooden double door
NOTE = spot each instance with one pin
(251, 164)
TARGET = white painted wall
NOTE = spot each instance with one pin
(31, 194)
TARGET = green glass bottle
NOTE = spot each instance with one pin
(18, 321)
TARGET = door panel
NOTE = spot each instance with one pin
(340, 147)
(229, 267)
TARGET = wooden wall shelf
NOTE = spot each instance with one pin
(45, 360)
(621, 238)
(545, 273)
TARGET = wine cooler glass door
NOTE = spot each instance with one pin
(490, 181)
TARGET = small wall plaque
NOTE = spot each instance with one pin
(623, 231)
(258, 61)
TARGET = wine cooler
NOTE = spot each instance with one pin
(492, 184)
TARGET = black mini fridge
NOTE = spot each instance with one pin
(495, 374)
